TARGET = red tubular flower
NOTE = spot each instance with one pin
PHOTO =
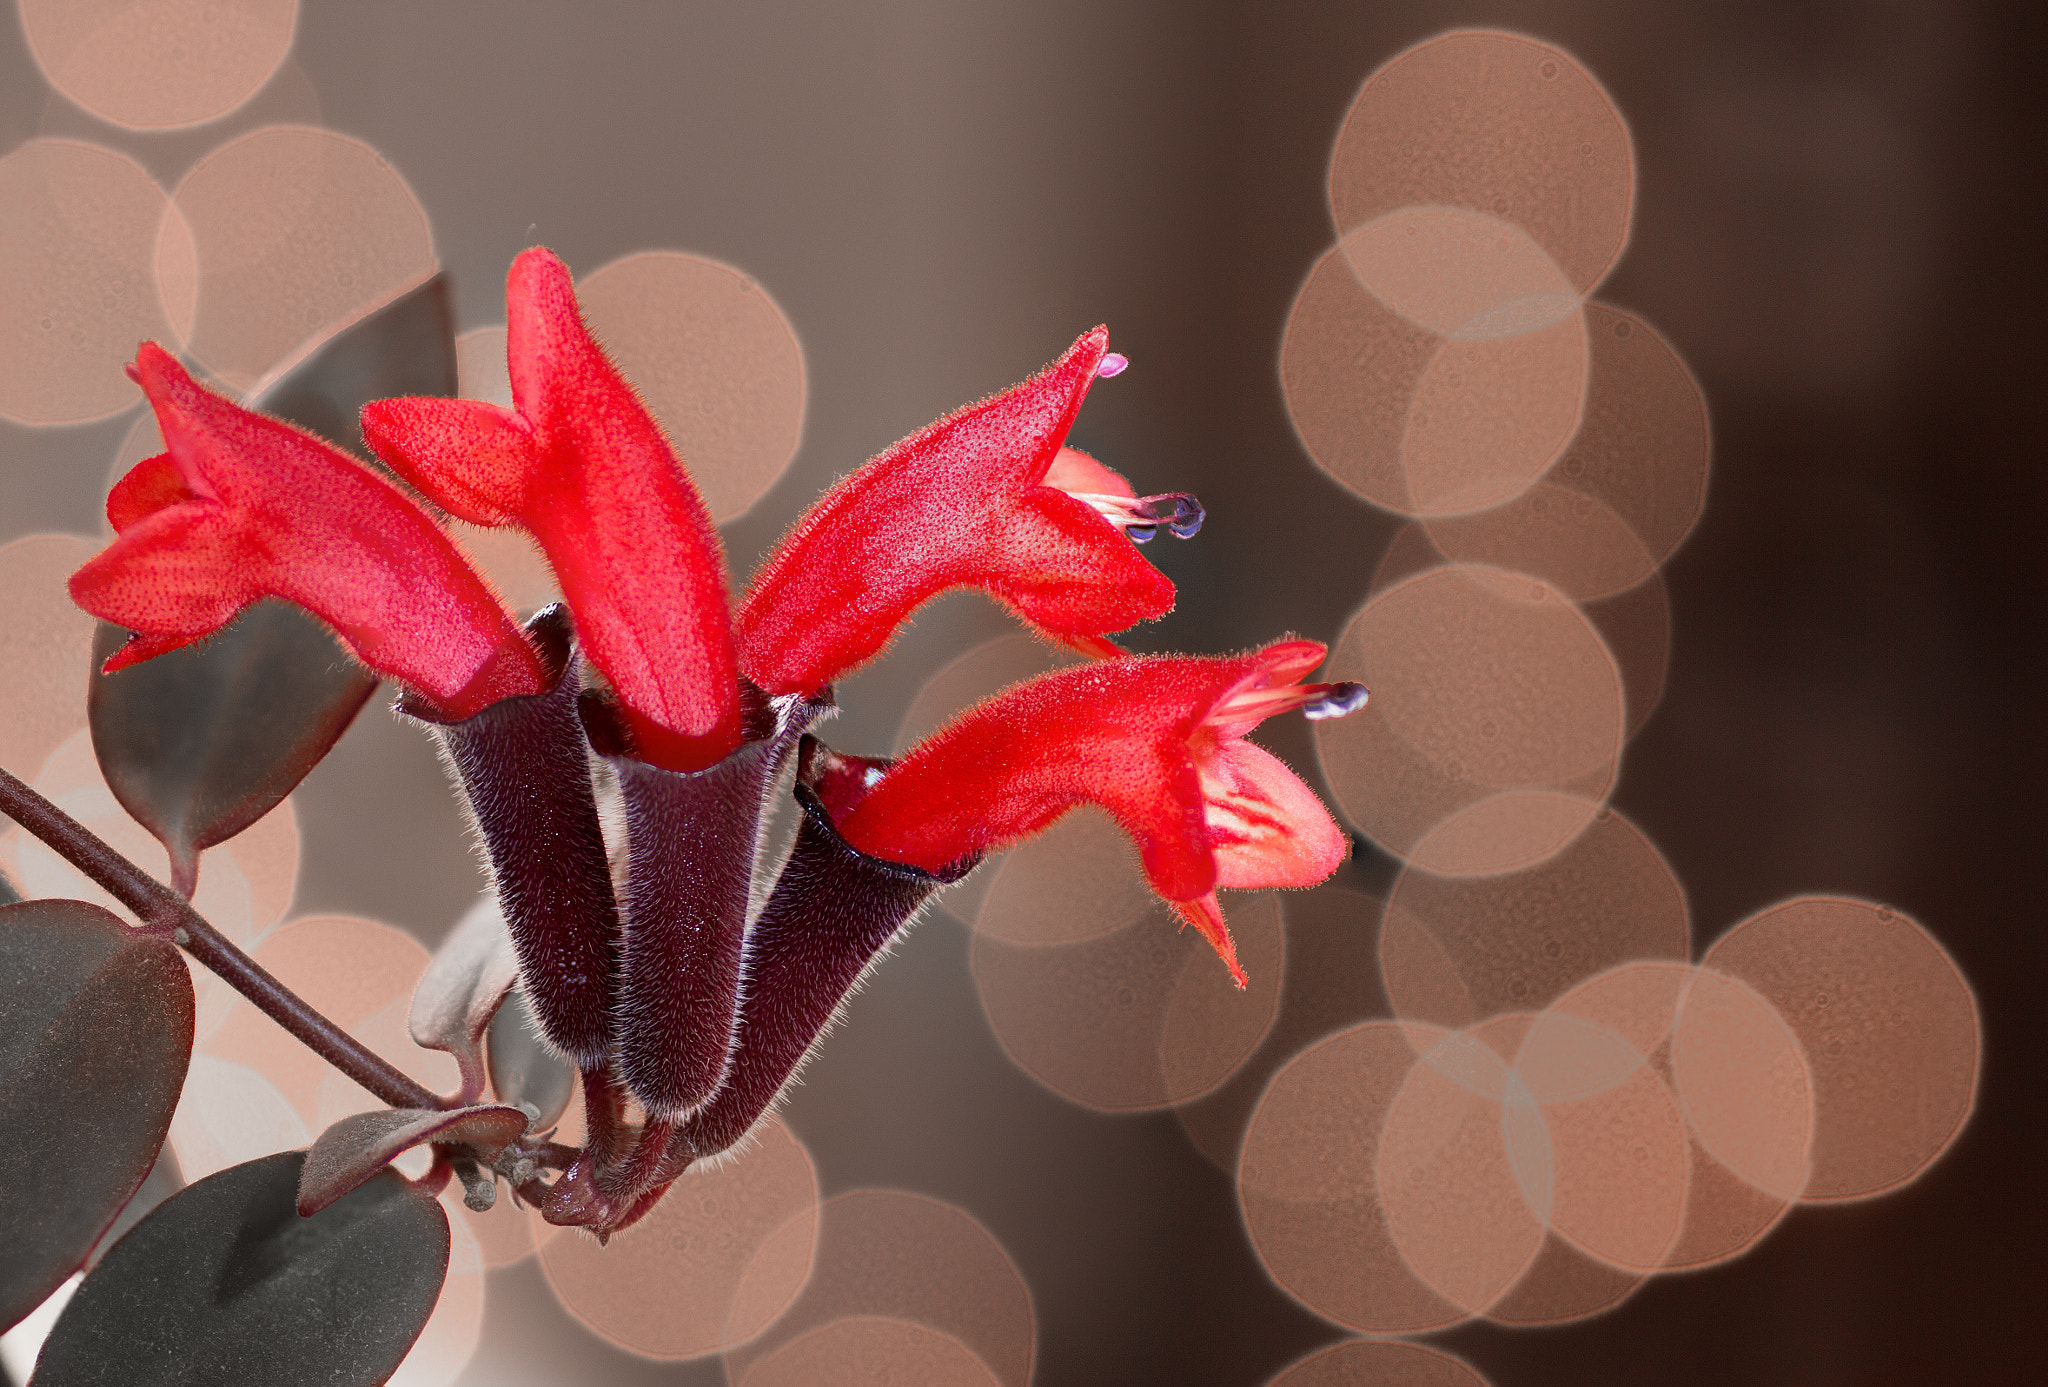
(1158, 743)
(972, 500)
(582, 466)
(242, 507)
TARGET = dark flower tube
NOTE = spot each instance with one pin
(581, 465)
(525, 771)
(691, 840)
(829, 916)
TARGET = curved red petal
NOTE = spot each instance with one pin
(1266, 827)
(150, 486)
(583, 466)
(1063, 568)
(960, 502)
(297, 518)
(1207, 916)
(470, 458)
(172, 578)
(138, 648)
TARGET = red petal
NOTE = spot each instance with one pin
(960, 503)
(298, 519)
(1207, 916)
(138, 648)
(1066, 570)
(1115, 734)
(1266, 827)
(172, 578)
(150, 486)
(586, 470)
(467, 457)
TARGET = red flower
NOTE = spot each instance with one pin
(972, 500)
(1158, 743)
(243, 507)
(582, 465)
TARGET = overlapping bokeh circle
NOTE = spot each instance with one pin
(1566, 1099)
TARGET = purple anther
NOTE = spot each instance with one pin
(1184, 516)
(1112, 364)
(1337, 701)
(1140, 517)
(1177, 510)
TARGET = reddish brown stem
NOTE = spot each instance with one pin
(604, 1103)
(163, 913)
(552, 1155)
(438, 1174)
(626, 1180)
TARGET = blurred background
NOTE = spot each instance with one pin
(1832, 209)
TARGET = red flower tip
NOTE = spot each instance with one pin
(241, 507)
(983, 498)
(1205, 913)
(581, 465)
(1158, 743)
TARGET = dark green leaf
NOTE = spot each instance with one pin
(225, 1285)
(95, 1034)
(360, 1145)
(202, 742)
(199, 744)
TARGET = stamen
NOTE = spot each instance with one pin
(1112, 364)
(1186, 515)
(1140, 517)
(1338, 700)
(1315, 701)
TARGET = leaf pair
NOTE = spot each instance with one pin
(225, 1282)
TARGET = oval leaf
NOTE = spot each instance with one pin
(202, 742)
(524, 1072)
(225, 1284)
(199, 744)
(462, 989)
(357, 1147)
(95, 1035)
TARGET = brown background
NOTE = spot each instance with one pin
(1838, 223)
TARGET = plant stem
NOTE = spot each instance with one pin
(290, 1011)
(164, 914)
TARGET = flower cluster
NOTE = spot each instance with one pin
(674, 1000)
